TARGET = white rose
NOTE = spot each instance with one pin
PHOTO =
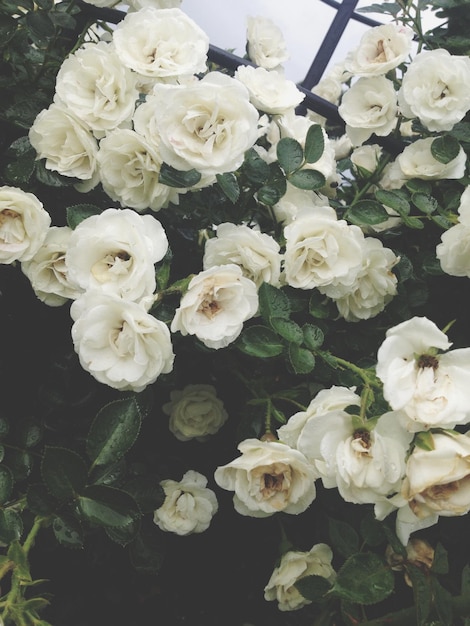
(162, 44)
(369, 107)
(437, 483)
(423, 379)
(417, 161)
(295, 201)
(158, 4)
(322, 251)
(195, 412)
(23, 224)
(116, 251)
(434, 89)
(129, 168)
(255, 252)
(189, 505)
(67, 144)
(265, 42)
(269, 91)
(375, 284)
(118, 342)
(464, 207)
(366, 158)
(216, 304)
(454, 250)
(366, 463)
(47, 270)
(381, 49)
(268, 477)
(208, 125)
(293, 566)
(332, 399)
(342, 147)
(94, 84)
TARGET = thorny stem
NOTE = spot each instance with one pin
(14, 596)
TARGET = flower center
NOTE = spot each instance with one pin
(428, 360)
(12, 229)
(113, 264)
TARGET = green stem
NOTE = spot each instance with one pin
(370, 382)
(36, 527)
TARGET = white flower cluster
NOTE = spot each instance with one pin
(428, 88)
(383, 461)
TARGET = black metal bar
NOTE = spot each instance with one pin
(357, 17)
(344, 12)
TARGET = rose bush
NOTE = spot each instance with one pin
(253, 409)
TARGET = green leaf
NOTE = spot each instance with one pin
(20, 463)
(440, 563)
(393, 200)
(424, 440)
(343, 537)
(229, 184)
(107, 506)
(256, 170)
(319, 306)
(40, 24)
(313, 336)
(422, 593)
(269, 194)
(307, 179)
(113, 431)
(6, 484)
(11, 526)
(68, 531)
(413, 222)
(175, 178)
(300, 360)
(372, 530)
(364, 578)
(273, 302)
(461, 132)
(445, 148)
(63, 471)
(51, 178)
(29, 433)
(387, 8)
(419, 185)
(79, 212)
(40, 501)
(21, 163)
(465, 584)
(260, 341)
(289, 154)
(147, 493)
(313, 588)
(7, 29)
(288, 329)
(425, 203)
(394, 542)
(124, 535)
(442, 604)
(314, 143)
(366, 212)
